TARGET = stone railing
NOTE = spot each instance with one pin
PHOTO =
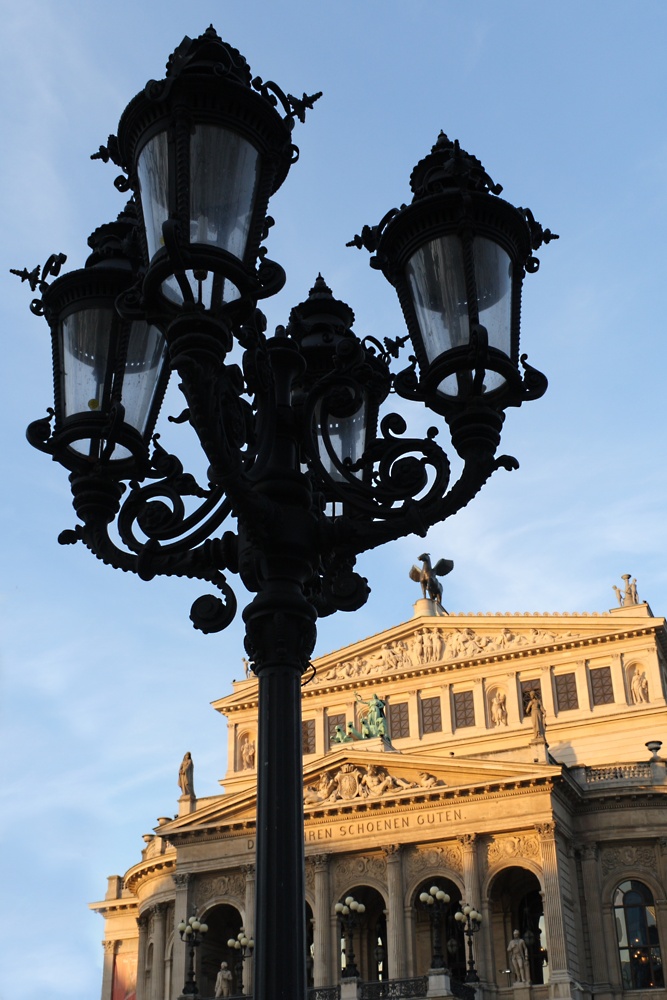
(394, 988)
(324, 993)
(618, 772)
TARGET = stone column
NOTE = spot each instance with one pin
(107, 969)
(323, 974)
(249, 922)
(143, 923)
(553, 914)
(591, 889)
(184, 883)
(160, 911)
(395, 916)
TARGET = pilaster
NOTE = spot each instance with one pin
(469, 843)
(323, 974)
(553, 915)
(107, 969)
(395, 922)
(594, 920)
(160, 911)
(249, 922)
(184, 883)
(142, 924)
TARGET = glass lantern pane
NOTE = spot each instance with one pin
(86, 344)
(224, 170)
(347, 436)
(436, 277)
(153, 173)
(146, 356)
(493, 276)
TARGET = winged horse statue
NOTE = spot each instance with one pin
(428, 575)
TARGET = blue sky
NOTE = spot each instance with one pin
(104, 683)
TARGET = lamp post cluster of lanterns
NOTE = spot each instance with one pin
(436, 901)
(192, 932)
(471, 920)
(290, 424)
(242, 948)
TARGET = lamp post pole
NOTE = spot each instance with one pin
(192, 932)
(300, 460)
(436, 903)
(472, 921)
(349, 913)
(242, 949)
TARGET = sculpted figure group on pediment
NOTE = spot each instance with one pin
(434, 645)
(351, 782)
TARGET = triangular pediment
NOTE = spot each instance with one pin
(363, 775)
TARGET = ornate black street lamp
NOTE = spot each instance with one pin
(471, 920)
(349, 912)
(297, 451)
(436, 903)
(192, 932)
(242, 948)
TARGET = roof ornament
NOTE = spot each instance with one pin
(628, 596)
(427, 576)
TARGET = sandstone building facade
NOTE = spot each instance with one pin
(553, 823)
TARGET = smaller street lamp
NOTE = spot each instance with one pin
(242, 947)
(436, 903)
(192, 932)
(349, 913)
(472, 921)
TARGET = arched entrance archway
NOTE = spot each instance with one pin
(224, 922)
(370, 937)
(450, 930)
(515, 903)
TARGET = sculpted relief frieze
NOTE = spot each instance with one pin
(503, 848)
(627, 857)
(351, 781)
(210, 887)
(349, 870)
(436, 645)
(446, 856)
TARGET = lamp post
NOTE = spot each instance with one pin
(298, 453)
(242, 948)
(192, 932)
(349, 913)
(436, 903)
(472, 921)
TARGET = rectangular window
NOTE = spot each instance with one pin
(566, 692)
(332, 722)
(601, 687)
(399, 722)
(431, 715)
(526, 688)
(464, 709)
(308, 735)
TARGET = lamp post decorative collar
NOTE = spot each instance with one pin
(301, 453)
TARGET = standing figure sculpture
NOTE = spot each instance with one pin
(639, 686)
(428, 574)
(186, 776)
(535, 710)
(223, 982)
(499, 709)
(518, 953)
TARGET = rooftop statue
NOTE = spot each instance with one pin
(427, 576)
(186, 776)
(628, 596)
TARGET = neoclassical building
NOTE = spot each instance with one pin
(551, 820)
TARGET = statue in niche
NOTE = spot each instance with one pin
(428, 575)
(535, 710)
(639, 686)
(223, 982)
(518, 954)
(186, 776)
(248, 754)
(499, 709)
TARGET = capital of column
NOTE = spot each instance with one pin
(320, 861)
(467, 840)
(182, 879)
(110, 946)
(392, 852)
(547, 831)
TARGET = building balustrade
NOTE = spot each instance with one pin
(390, 989)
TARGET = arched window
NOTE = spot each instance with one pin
(638, 944)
